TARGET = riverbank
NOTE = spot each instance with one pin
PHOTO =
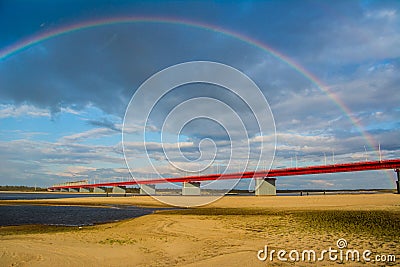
(344, 201)
(228, 232)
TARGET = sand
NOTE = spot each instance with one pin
(342, 201)
(164, 239)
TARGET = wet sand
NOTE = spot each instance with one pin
(228, 232)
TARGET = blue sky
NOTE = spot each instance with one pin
(63, 100)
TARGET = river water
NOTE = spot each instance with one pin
(63, 215)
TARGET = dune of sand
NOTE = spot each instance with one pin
(179, 239)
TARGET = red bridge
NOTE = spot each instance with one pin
(261, 175)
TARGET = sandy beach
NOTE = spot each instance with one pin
(229, 232)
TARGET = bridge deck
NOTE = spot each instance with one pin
(334, 168)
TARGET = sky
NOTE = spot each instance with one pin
(327, 70)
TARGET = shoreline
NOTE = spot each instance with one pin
(342, 201)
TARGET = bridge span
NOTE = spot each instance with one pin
(265, 179)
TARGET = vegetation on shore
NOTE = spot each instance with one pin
(35, 229)
(378, 223)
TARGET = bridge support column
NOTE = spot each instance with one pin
(147, 189)
(64, 190)
(119, 189)
(74, 190)
(191, 189)
(99, 190)
(265, 187)
(398, 180)
(84, 190)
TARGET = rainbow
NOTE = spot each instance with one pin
(36, 39)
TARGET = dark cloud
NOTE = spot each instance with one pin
(352, 47)
(105, 123)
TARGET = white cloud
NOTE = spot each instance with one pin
(322, 183)
(381, 14)
(70, 110)
(12, 111)
(90, 134)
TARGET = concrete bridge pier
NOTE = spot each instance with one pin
(84, 190)
(265, 187)
(73, 190)
(99, 190)
(147, 189)
(398, 180)
(119, 189)
(191, 189)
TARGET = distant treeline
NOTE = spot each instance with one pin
(335, 190)
(39, 189)
(238, 191)
(21, 188)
